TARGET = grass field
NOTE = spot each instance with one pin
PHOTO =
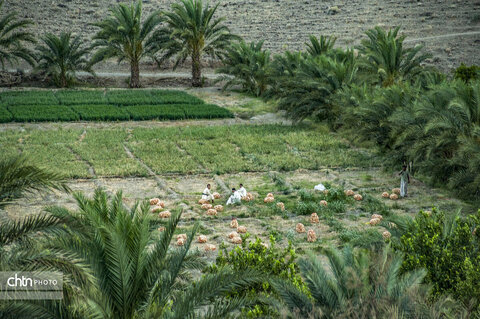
(111, 105)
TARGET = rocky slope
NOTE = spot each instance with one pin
(286, 24)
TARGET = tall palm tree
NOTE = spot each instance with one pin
(13, 38)
(193, 32)
(357, 284)
(19, 177)
(387, 58)
(247, 65)
(319, 46)
(124, 36)
(137, 274)
(60, 57)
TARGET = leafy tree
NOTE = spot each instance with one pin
(357, 284)
(192, 33)
(137, 274)
(467, 73)
(60, 57)
(124, 36)
(13, 38)
(18, 177)
(320, 46)
(247, 65)
(386, 58)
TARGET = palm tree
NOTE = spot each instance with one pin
(193, 32)
(13, 38)
(18, 177)
(124, 36)
(247, 65)
(357, 284)
(60, 57)
(320, 46)
(386, 58)
(137, 274)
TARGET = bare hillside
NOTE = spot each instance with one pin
(449, 29)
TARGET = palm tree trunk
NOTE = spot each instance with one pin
(196, 70)
(63, 79)
(134, 74)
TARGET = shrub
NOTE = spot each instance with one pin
(307, 208)
(5, 115)
(28, 98)
(447, 247)
(101, 112)
(173, 97)
(40, 113)
(160, 112)
(81, 97)
(370, 238)
(206, 111)
(467, 73)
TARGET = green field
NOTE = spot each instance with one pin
(181, 150)
(111, 105)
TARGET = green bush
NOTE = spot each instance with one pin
(270, 261)
(81, 97)
(101, 112)
(5, 115)
(159, 112)
(306, 208)
(369, 238)
(467, 73)
(28, 98)
(206, 111)
(41, 113)
(447, 246)
(173, 97)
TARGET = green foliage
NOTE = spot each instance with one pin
(246, 65)
(83, 97)
(467, 73)
(145, 97)
(5, 115)
(370, 238)
(101, 112)
(28, 98)
(447, 246)
(270, 261)
(320, 46)
(41, 113)
(60, 57)
(159, 112)
(14, 37)
(192, 32)
(125, 36)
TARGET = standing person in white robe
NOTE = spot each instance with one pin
(207, 194)
(242, 191)
(234, 198)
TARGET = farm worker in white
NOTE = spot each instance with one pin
(234, 198)
(242, 191)
(207, 194)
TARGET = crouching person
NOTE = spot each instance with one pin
(235, 198)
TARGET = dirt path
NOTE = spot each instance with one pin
(443, 36)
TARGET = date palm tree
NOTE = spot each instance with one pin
(319, 46)
(124, 36)
(193, 32)
(60, 57)
(386, 58)
(13, 38)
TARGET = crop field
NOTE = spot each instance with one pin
(112, 105)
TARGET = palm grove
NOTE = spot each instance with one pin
(117, 266)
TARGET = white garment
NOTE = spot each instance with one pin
(319, 187)
(234, 199)
(403, 188)
(207, 194)
(242, 191)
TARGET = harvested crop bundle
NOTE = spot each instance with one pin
(281, 206)
(154, 201)
(212, 212)
(210, 247)
(184, 236)
(180, 242)
(157, 209)
(161, 228)
(202, 201)
(374, 221)
(202, 239)
(314, 218)
(268, 200)
(161, 204)
(216, 195)
(385, 195)
(234, 223)
(165, 214)
(326, 192)
(386, 235)
(207, 206)
(248, 197)
(311, 236)
(396, 191)
(233, 234)
(357, 197)
(242, 229)
(323, 203)
(237, 240)
(349, 192)
(377, 216)
(218, 208)
(394, 196)
(300, 228)
(270, 195)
